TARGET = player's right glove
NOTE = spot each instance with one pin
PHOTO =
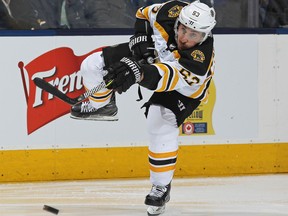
(142, 47)
(123, 74)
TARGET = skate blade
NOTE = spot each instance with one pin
(155, 210)
(97, 118)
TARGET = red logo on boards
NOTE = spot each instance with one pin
(60, 67)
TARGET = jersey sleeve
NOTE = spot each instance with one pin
(190, 75)
(143, 18)
(160, 77)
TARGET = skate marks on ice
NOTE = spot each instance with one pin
(240, 196)
(75, 210)
(83, 198)
(82, 210)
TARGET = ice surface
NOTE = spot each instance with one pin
(258, 195)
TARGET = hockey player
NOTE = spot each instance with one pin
(180, 79)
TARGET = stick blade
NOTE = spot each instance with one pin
(53, 90)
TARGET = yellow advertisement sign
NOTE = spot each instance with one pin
(200, 121)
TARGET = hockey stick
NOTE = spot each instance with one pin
(72, 101)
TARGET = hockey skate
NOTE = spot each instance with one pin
(157, 199)
(86, 111)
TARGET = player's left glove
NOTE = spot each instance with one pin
(142, 47)
(124, 74)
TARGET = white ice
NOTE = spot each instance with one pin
(258, 195)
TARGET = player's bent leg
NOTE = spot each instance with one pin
(102, 105)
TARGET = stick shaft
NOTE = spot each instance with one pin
(72, 101)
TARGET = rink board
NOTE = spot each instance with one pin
(249, 116)
(103, 163)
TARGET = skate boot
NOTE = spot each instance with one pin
(157, 199)
(86, 111)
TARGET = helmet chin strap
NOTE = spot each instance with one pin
(176, 29)
(206, 35)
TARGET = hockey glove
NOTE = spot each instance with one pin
(142, 47)
(124, 74)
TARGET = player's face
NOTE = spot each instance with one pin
(187, 37)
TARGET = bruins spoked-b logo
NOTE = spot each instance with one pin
(198, 55)
(174, 11)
